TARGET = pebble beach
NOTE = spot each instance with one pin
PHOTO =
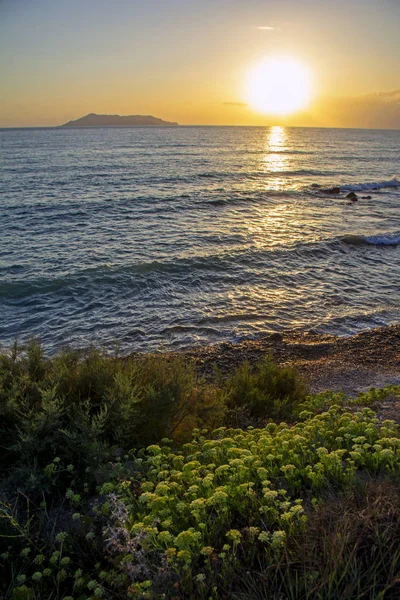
(350, 364)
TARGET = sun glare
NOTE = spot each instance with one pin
(279, 86)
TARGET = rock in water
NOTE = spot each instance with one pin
(276, 337)
(334, 190)
(352, 196)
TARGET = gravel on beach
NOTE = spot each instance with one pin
(350, 364)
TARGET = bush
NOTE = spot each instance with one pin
(82, 406)
(268, 390)
(261, 511)
(307, 510)
(174, 399)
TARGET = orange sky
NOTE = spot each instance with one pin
(188, 62)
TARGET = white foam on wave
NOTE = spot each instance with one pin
(377, 185)
(389, 239)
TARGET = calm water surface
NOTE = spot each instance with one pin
(169, 238)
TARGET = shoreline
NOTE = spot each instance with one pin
(349, 364)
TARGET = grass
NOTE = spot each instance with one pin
(136, 478)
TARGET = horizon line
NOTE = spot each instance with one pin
(190, 125)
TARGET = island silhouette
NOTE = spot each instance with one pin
(94, 120)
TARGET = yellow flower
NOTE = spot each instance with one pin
(278, 539)
(264, 537)
(162, 489)
(234, 535)
(217, 498)
(386, 453)
(170, 553)
(194, 464)
(187, 538)
(222, 469)
(198, 503)
(270, 495)
(165, 537)
(262, 473)
(154, 449)
(147, 486)
(185, 556)
(147, 497)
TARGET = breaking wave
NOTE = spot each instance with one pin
(392, 239)
(377, 185)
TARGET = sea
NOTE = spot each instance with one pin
(147, 239)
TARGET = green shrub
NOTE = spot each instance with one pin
(268, 390)
(241, 509)
(82, 406)
(174, 399)
(307, 510)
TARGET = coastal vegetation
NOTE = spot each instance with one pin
(137, 477)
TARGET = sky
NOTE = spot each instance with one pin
(188, 61)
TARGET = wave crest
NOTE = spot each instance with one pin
(389, 239)
(377, 185)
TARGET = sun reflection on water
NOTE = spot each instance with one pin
(275, 160)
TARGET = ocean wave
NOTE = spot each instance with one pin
(377, 185)
(242, 175)
(137, 276)
(228, 262)
(386, 239)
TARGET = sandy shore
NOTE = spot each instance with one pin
(352, 364)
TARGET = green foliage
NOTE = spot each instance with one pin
(373, 395)
(174, 399)
(82, 406)
(350, 545)
(268, 390)
(42, 561)
(371, 398)
(309, 510)
(242, 501)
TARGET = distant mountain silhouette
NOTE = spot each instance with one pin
(93, 120)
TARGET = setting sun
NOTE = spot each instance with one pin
(279, 85)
